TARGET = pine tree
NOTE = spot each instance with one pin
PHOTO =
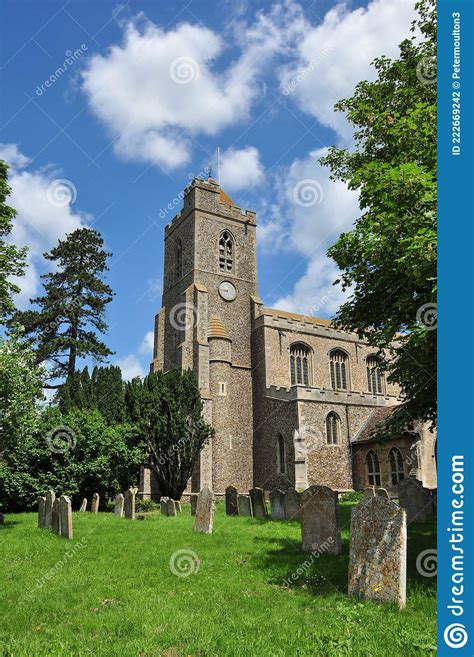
(71, 313)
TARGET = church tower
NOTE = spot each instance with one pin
(205, 323)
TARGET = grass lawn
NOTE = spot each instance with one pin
(116, 595)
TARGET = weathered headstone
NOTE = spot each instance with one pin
(48, 508)
(231, 507)
(84, 505)
(276, 504)
(292, 504)
(177, 505)
(41, 511)
(205, 511)
(56, 518)
(259, 507)
(415, 499)
(164, 506)
(193, 499)
(320, 522)
(65, 510)
(171, 507)
(378, 551)
(95, 503)
(381, 492)
(129, 504)
(369, 491)
(119, 503)
(244, 505)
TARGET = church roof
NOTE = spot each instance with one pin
(225, 198)
(216, 329)
(299, 318)
(376, 418)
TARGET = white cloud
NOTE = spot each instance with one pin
(335, 55)
(43, 200)
(146, 347)
(158, 89)
(240, 169)
(131, 367)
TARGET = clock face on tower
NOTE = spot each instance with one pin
(227, 291)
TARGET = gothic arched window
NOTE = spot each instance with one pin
(373, 468)
(299, 364)
(397, 470)
(339, 365)
(178, 260)
(333, 428)
(226, 252)
(375, 377)
(281, 454)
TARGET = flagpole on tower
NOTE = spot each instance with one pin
(218, 165)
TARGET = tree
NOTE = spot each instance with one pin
(12, 259)
(71, 313)
(388, 260)
(167, 408)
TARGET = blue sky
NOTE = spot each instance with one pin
(108, 110)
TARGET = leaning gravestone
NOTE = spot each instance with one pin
(171, 507)
(244, 505)
(164, 506)
(56, 518)
(381, 492)
(378, 551)
(84, 505)
(177, 505)
(48, 512)
(369, 491)
(415, 499)
(276, 504)
(193, 499)
(119, 503)
(257, 495)
(292, 504)
(205, 511)
(95, 503)
(41, 511)
(129, 504)
(320, 523)
(65, 510)
(231, 507)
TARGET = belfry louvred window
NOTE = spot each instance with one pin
(333, 424)
(299, 365)
(375, 378)
(226, 252)
(178, 260)
(339, 365)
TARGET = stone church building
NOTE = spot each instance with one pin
(292, 399)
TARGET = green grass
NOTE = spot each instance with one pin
(117, 595)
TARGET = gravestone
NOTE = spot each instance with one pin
(65, 510)
(193, 499)
(84, 505)
(231, 507)
(378, 551)
(415, 499)
(369, 491)
(257, 497)
(2, 519)
(95, 503)
(244, 505)
(119, 503)
(381, 492)
(129, 504)
(276, 504)
(292, 504)
(56, 518)
(170, 507)
(48, 508)
(177, 504)
(41, 511)
(320, 522)
(205, 511)
(164, 506)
